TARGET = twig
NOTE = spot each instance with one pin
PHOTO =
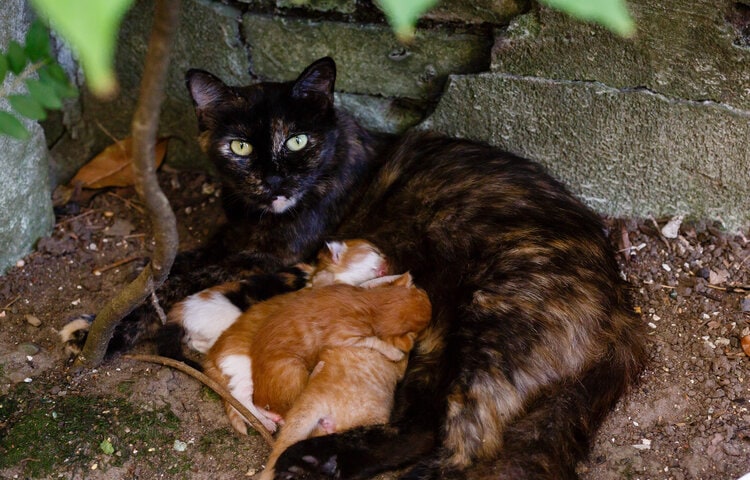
(661, 236)
(207, 381)
(71, 219)
(731, 288)
(12, 302)
(127, 202)
(119, 263)
(157, 306)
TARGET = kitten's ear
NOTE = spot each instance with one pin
(317, 80)
(337, 250)
(205, 88)
(404, 280)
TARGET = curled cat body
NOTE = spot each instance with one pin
(532, 340)
(203, 316)
(349, 387)
(267, 355)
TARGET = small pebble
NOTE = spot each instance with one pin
(179, 446)
(20, 264)
(33, 321)
(746, 304)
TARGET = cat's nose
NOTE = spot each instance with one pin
(273, 182)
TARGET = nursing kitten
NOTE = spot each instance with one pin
(266, 356)
(533, 339)
(202, 317)
(350, 387)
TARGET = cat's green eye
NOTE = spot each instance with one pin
(241, 148)
(297, 142)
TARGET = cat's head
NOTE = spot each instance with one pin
(350, 261)
(271, 142)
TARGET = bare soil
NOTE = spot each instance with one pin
(688, 418)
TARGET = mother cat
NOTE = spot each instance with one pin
(532, 339)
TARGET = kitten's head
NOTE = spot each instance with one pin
(271, 142)
(351, 261)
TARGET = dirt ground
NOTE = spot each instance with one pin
(688, 419)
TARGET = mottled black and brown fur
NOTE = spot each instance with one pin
(532, 339)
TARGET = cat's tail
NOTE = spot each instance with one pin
(554, 432)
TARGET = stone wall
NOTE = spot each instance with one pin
(25, 201)
(653, 125)
(658, 124)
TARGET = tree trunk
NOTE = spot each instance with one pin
(144, 129)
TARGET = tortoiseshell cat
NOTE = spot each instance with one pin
(532, 340)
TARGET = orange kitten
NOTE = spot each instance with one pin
(266, 357)
(206, 314)
(350, 387)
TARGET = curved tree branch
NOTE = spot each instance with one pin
(144, 128)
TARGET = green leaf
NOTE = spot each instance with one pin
(403, 15)
(613, 14)
(16, 57)
(37, 42)
(45, 94)
(10, 125)
(27, 106)
(3, 67)
(54, 77)
(107, 447)
(90, 27)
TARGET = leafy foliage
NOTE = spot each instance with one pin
(90, 27)
(613, 14)
(45, 93)
(403, 15)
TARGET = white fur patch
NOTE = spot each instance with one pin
(68, 331)
(282, 203)
(365, 268)
(206, 317)
(238, 368)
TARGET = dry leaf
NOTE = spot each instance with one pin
(746, 344)
(113, 166)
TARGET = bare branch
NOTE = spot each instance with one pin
(144, 129)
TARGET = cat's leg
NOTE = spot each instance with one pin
(279, 382)
(376, 282)
(238, 370)
(205, 315)
(389, 351)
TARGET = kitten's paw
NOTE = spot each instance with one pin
(73, 334)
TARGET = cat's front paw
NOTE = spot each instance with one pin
(308, 460)
(73, 334)
(310, 469)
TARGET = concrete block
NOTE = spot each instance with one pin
(25, 197)
(370, 60)
(339, 6)
(386, 115)
(691, 49)
(208, 38)
(625, 152)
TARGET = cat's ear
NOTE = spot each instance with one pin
(404, 280)
(317, 80)
(336, 250)
(205, 88)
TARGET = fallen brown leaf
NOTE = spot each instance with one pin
(745, 341)
(113, 166)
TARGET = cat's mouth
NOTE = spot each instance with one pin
(281, 203)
